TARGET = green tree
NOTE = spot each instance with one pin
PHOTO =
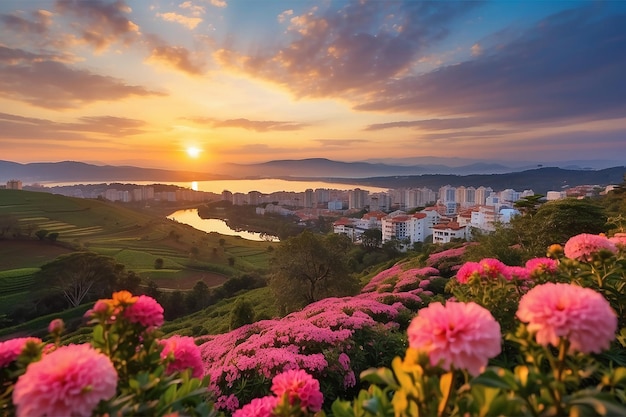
(557, 221)
(41, 234)
(158, 263)
(82, 276)
(372, 238)
(309, 267)
(242, 313)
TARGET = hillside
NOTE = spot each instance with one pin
(539, 180)
(132, 238)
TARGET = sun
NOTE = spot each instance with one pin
(193, 152)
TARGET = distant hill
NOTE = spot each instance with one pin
(70, 171)
(539, 180)
(492, 175)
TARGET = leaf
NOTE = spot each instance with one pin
(98, 335)
(342, 409)
(604, 407)
(489, 378)
(445, 385)
(380, 376)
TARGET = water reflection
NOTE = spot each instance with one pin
(190, 217)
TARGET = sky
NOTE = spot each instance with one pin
(187, 84)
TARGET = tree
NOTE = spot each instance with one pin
(309, 267)
(372, 238)
(41, 234)
(557, 221)
(530, 204)
(158, 263)
(82, 276)
(242, 313)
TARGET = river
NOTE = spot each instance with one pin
(190, 217)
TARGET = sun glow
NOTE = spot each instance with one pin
(193, 152)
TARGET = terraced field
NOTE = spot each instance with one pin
(132, 238)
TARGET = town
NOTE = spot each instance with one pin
(407, 216)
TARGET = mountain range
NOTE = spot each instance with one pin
(71, 171)
(495, 175)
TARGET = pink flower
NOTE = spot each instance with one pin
(538, 266)
(258, 407)
(11, 349)
(459, 335)
(186, 355)
(56, 326)
(493, 268)
(145, 311)
(72, 380)
(582, 247)
(619, 239)
(467, 271)
(298, 385)
(579, 314)
(519, 272)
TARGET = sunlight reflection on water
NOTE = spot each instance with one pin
(190, 217)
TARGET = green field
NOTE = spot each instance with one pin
(133, 238)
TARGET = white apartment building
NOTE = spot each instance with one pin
(401, 226)
(444, 233)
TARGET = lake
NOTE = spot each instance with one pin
(190, 217)
(265, 186)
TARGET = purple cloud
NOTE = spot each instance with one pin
(44, 82)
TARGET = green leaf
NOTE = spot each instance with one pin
(503, 379)
(604, 407)
(380, 376)
(98, 336)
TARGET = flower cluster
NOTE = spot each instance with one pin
(120, 372)
(295, 393)
(320, 339)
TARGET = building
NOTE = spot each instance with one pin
(446, 232)
(14, 185)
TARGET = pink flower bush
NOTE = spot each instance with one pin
(582, 247)
(258, 407)
(579, 314)
(145, 311)
(298, 385)
(69, 381)
(459, 335)
(186, 355)
(11, 349)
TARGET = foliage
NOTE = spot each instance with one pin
(241, 314)
(126, 338)
(528, 236)
(309, 267)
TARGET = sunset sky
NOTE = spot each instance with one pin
(185, 84)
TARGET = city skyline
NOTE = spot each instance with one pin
(194, 83)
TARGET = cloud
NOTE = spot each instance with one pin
(340, 143)
(30, 128)
(218, 3)
(256, 125)
(353, 49)
(176, 57)
(39, 25)
(99, 23)
(429, 124)
(193, 8)
(43, 82)
(188, 22)
(536, 78)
